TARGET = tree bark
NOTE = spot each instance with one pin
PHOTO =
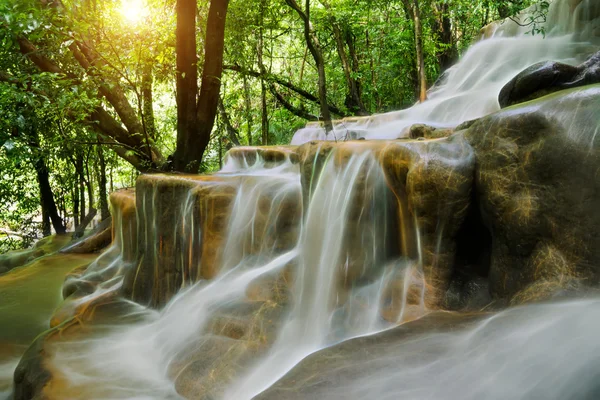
(147, 101)
(186, 81)
(49, 209)
(231, 131)
(289, 106)
(75, 195)
(191, 143)
(413, 9)
(315, 49)
(443, 25)
(248, 104)
(47, 203)
(104, 210)
(80, 184)
(263, 89)
(353, 100)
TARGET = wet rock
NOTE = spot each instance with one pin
(538, 188)
(31, 375)
(124, 223)
(181, 227)
(431, 181)
(423, 202)
(270, 155)
(427, 132)
(548, 77)
(18, 258)
(325, 374)
(98, 240)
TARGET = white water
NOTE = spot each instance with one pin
(322, 298)
(537, 352)
(470, 88)
(325, 304)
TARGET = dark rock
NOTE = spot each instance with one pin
(538, 189)
(548, 77)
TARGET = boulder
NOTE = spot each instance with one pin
(538, 187)
(549, 77)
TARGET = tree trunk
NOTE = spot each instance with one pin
(47, 203)
(443, 25)
(47, 198)
(89, 184)
(264, 122)
(147, 101)
(269, 77)
(315, 49)
(231, 131)
(193, 140)
(80, 184)
(186, 84)
(353, 100)
(415, 12)
(104, 210)
(76, 203)
(248, 103)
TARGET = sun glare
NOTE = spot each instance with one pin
(133, 10)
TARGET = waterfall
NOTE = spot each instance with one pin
(469, 90)
(324, 278)
(234, 279)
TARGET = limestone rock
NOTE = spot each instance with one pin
(427, 132)
(538, 185)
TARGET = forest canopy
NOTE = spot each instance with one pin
(94, 92)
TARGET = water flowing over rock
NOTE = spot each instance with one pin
(470, 89)
(303, 271)
(537, 182)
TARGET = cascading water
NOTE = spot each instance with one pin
(322, 290)
(470, 89)
(284, 253)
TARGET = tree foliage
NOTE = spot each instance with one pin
(88, 87)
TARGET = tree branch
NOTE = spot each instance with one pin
(273, 78)
(289, 106)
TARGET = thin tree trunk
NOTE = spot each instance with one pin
(415, 12)
(353, 100)
(231, 131)
(269, 77)
(315, 49)
(89, 183)
(147, 101)
(104, 210)
(49, 209)
(81, 184)
(75, 203)
(248, 103)
(264, 122)
(443, 25)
